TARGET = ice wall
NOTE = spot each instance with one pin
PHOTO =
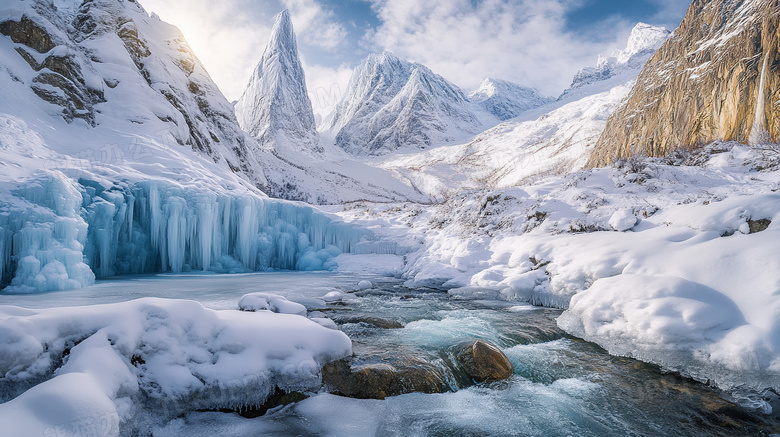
(59, 234)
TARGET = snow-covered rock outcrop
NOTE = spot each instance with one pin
(275, 107)
(392, 104)
(107, 64)
(505, 99)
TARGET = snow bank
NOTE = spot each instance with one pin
(106, 365)
(693, 286)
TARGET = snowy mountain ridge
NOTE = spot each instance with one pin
(392, 104)
(643, 41)
(505, 99)
(551, 139)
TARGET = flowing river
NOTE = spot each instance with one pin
(562, 386)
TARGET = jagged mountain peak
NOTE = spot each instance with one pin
(275, 108)
(643, 41)
(393, 104)
(506, 99)
(282, 38)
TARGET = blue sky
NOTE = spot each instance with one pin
(539, 43)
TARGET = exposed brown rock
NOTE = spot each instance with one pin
(27, 32)
(378, 381)
(484, 362)
(759, 225)
(702, 84)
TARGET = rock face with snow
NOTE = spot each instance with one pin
(106, 61)
(718, 77)
(392, 104)
(275, 108)
(505, 99)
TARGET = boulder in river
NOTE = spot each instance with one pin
(484, 362)
(378, 381)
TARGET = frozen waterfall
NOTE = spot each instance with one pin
(58, 234)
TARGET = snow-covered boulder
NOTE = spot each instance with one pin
(270, 302)
(623, 220)
(107, 365)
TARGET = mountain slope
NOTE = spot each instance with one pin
(505, 99)
(275, 108)
(552, 139)
(704, 84)
(107, 64)
(391, 104)
(121, 156)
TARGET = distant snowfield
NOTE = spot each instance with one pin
(691, 284)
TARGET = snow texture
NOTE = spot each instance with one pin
(270, 302)
(124, 366)
(275, 108)
(392, 105)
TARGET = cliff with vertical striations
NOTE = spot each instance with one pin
(717, 78)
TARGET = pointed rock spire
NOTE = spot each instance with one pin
(275, 108)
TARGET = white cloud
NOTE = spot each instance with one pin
(520, 40)
(326, 86)
(315, 25)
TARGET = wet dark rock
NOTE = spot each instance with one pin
(373, 321)
(759, 225)
(379, 381)
(484, 362)
(27, 32)
(277, 399)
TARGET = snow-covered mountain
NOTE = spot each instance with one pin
(551, 139)
(505, 99)
(275, 107)
(643, 41)
(121, 156)
(107, 65)
(392, 104)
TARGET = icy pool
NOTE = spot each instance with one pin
(562, 386)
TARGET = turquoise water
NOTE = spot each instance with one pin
(562, 386)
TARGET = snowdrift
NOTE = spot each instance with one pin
(103, 369)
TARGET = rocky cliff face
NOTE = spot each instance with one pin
(108, 66)
(718, 77)
(275, 108)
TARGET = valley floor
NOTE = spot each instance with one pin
(671, 261)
